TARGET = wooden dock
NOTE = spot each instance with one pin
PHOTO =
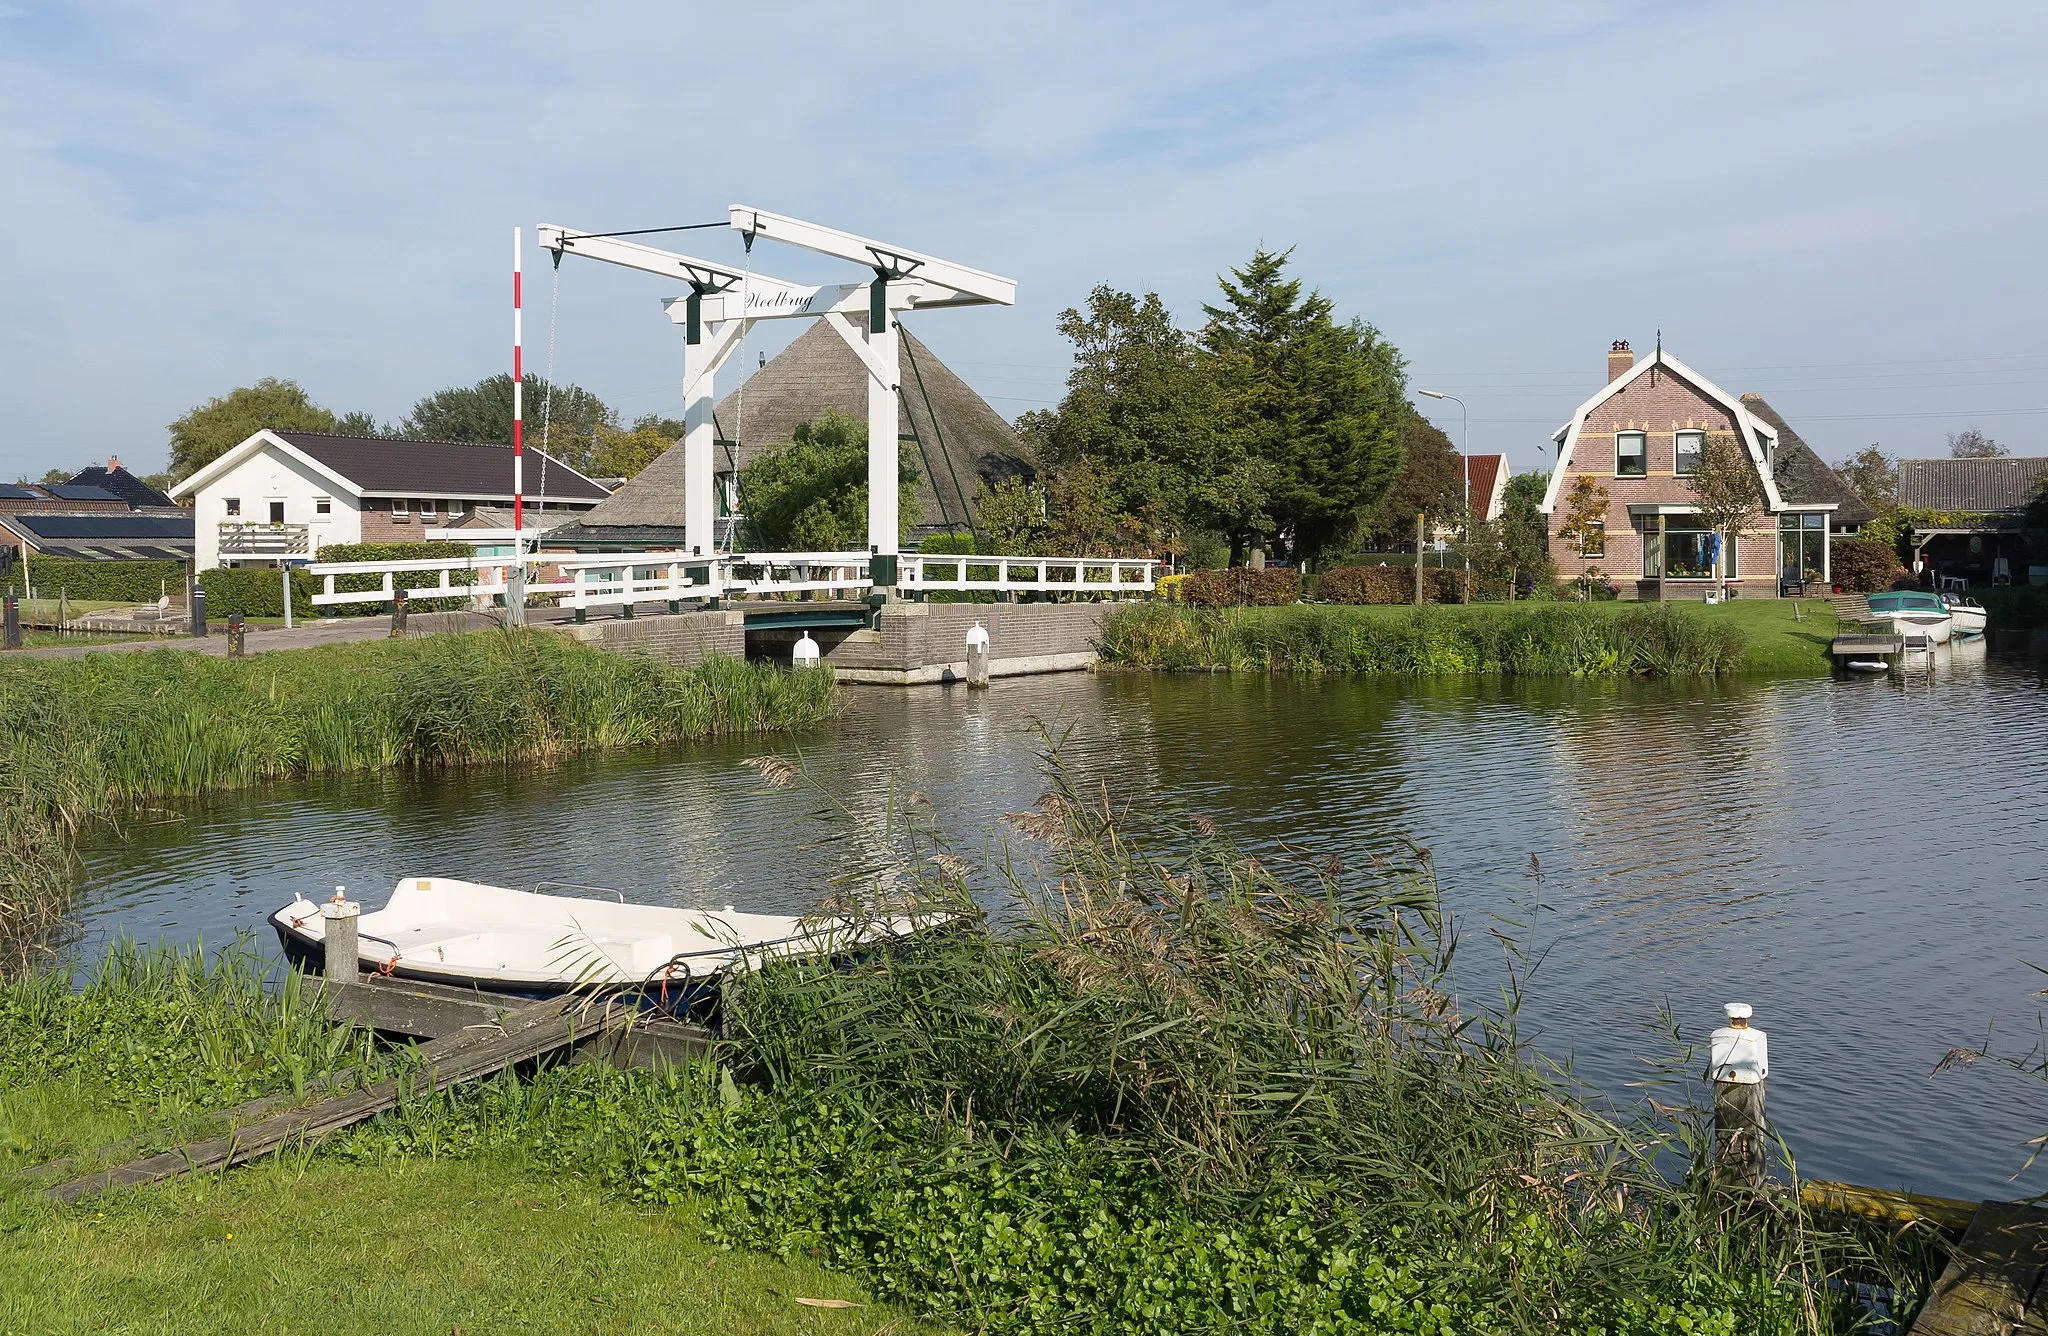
(1996, 1281)
(471, 1035)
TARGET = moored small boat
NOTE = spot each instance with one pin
(1911, 612)
(1966, 616)
(465, 933)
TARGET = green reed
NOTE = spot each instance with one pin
(1537, 639)
(94, 737)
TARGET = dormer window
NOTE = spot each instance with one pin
(1631, 454)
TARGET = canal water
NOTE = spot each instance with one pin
(1863, 860)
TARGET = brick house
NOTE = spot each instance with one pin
(281, 496)
(1640, 437)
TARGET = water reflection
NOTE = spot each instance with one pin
(1861, 859)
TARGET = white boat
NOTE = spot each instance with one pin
(1966, 616)
(1911, 612)
(468, 934)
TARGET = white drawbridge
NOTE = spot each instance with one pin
(723, 303)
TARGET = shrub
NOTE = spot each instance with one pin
(948, 544)
(101, 581)
(256, 591)
(1241, 586)
(1389, 585)
(1864, 565)
(1172, 588)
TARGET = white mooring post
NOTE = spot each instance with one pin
(805, 654)
(339, 941)
(1738, 1065)
(977, 655)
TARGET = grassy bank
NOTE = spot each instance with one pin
(1531, 639)
(1180, 1091)
(426, 1243)
(96, 737)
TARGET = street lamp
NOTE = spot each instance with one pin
(1464, 430)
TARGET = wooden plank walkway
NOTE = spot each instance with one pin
(475, 1035)
(1994, 1284)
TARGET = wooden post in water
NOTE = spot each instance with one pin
(977, 655)
(13, 624)
(1418, 557)
(339, 941)
(1738, 1065)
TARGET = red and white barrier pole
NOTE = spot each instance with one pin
(518, 415)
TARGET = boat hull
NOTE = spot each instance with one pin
(521, 943)
(1935, 627)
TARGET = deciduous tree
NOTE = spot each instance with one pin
(811, 495)
(1872, 475)
(213, 428)
(1728, 490)
(1584, 525)
(1972, 443)
(1430, 481)
(571, 421)
(1321, 404)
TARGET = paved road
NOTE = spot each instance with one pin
(340, 631)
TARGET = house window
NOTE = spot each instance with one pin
(234, 504)
(1631, 454)
(1688, 550)
(427, 509)
(1594, 542)
(323, 505)
(401, 512)
(455, 509)
(1690, 446)
(1802, 544)
(277, 512)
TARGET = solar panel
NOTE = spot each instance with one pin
(107, 528)
(78, 491)
(9, 492)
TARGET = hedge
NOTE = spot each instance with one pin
(100, 581)
(1390, 585)
(255, 591)
(1242, 586)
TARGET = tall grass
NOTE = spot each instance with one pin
(1546, 639)
(1171, 1087)
(86, 738)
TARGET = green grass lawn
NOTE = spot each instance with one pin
(422, 1245)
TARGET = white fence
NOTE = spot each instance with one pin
(583, 582)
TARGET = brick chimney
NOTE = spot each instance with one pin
(113, 462)
(1619, 360)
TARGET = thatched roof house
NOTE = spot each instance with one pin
(960, 441)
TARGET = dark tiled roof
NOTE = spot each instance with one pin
(1803, 476)
(107, 528)
(77, 491)
(1979, 486)
(961, 441)
(395, 466)
(116, 551)
(642, 537)
(123, 484)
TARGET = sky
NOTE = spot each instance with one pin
(1839, 206)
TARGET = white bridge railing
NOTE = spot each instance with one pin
(582, 581)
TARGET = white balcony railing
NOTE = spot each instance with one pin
(250, 539)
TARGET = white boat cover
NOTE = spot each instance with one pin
(464, 932)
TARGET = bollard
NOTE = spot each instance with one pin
(977, 655)
(804, 654)
(195, 599)
(1738, 1065)
(236, 632)
(342, 961)
(398, 615)
(13, 622)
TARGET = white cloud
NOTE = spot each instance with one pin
(213, 193)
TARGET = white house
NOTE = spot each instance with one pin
(281, 496)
